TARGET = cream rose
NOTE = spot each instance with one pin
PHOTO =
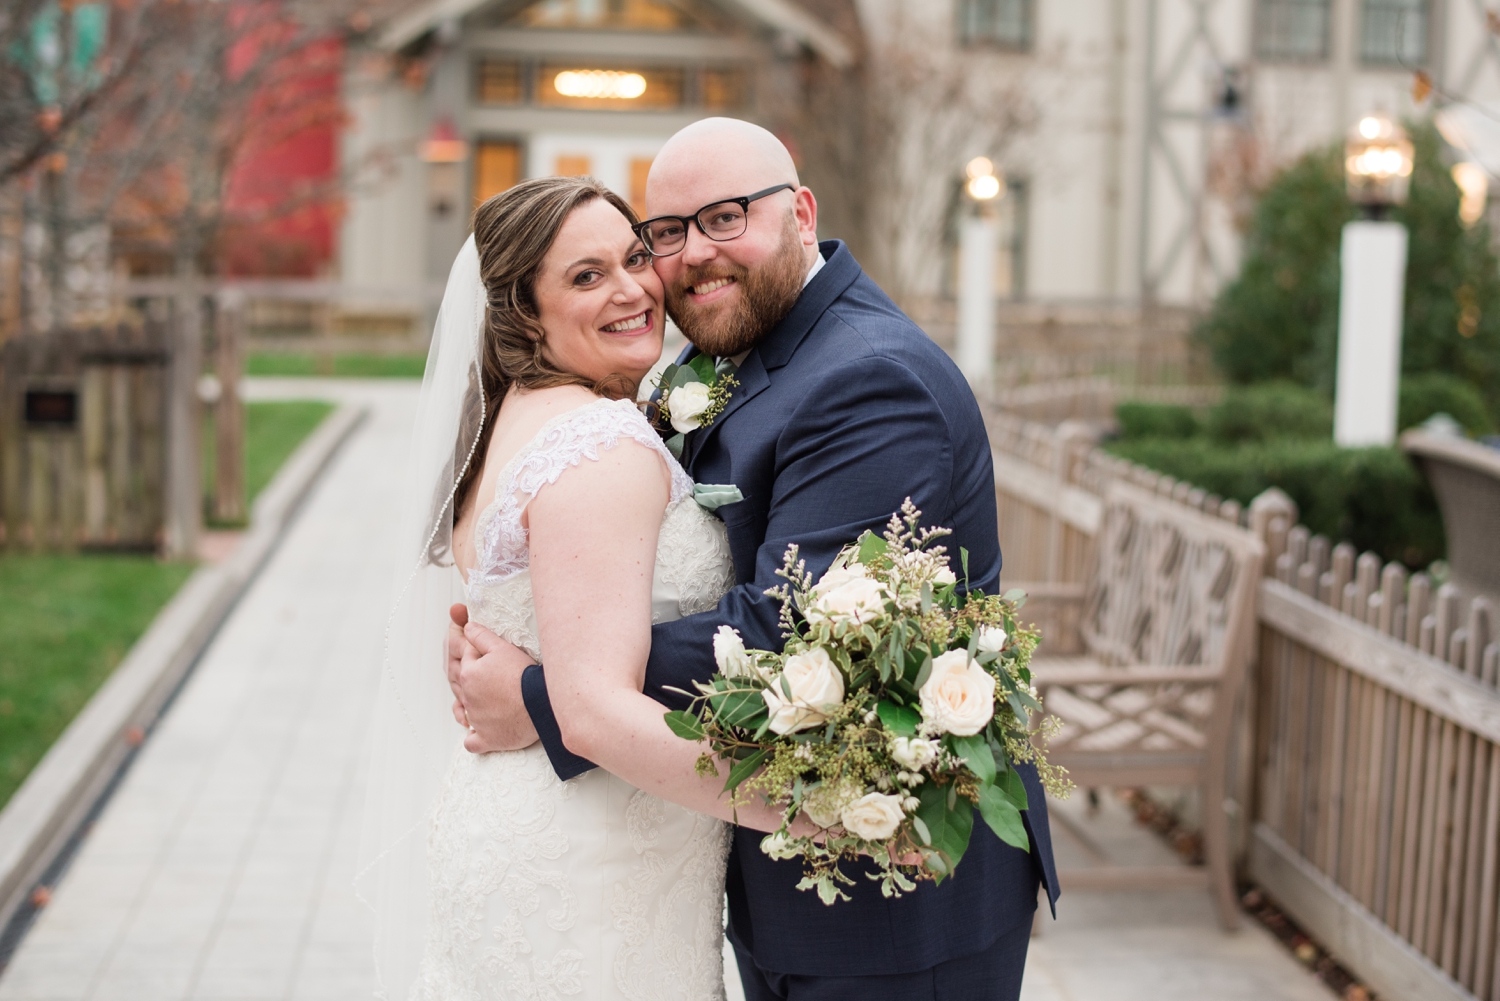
(825, 804)
(944, 576)
(816, 687)
(858, 599)
(913, 753)
(874, 816)
(838, 576)
(686, 404)
(730, 655)
(959, 696)
(991, 639)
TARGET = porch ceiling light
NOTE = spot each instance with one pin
(600, 84)
(1377, 161)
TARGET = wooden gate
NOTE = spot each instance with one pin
(82, 443)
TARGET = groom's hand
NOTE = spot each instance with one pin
(484, 672)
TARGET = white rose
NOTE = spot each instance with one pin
(874, 816)
(991, 639)
(944, 576)
(959, 696)
(730, 655)
(826, 803)
(837, 576)
(858, 599)
(816, 686)
(775, 845)
(913, 752)
(686, 403)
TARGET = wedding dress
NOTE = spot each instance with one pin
(590, 888)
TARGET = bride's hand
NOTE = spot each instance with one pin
(484, 673)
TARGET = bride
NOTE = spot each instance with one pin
(566, 526)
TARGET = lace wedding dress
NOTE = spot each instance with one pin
(590, 888)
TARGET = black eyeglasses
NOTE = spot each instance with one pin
(666, 235)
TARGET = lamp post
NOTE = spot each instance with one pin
(978, 242)
(1372, 262)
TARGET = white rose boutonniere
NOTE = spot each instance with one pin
(730, 655)
(692, 396)
(689, 401)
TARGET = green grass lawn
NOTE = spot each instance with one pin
(66, 621)
(396, 366)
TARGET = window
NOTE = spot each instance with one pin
(1291, 29)
(1006, 23)
(498, 81)
(639, 168)
(573, 165)
(723, 89)
(497, 168)
(1394, 32)
(608, 89)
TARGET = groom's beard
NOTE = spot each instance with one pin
(767, 294)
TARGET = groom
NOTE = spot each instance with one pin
(844, 409)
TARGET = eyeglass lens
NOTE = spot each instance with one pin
(723, 221)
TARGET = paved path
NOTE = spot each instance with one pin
(222, 867)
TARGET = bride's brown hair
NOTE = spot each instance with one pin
(513, 232)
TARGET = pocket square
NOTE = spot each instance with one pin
(712, 496)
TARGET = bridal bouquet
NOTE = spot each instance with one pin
(900, 704)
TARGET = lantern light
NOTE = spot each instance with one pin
(600, 84)
(1474, 191)
(444, 144)
(1377, 162)
(983, 183)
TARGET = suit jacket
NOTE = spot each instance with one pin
(843, 410)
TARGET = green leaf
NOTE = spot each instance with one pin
(738, 708)
(1003, 817)
(950, 828)
(682, 377)
(744, 768)
(665, 379)
(920, 827)
(963, 557)
(924, 673)
(926, 597)
(1016, 596)
(976, 751)
(703, 365)
(674, 445)
(900, 720)
(685, 725)
(871, 546)
(1010, 785)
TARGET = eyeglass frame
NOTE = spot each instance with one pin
(742, 202)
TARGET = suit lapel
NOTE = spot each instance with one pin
(752, 381)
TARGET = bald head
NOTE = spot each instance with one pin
(715, 158)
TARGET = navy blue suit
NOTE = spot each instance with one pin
(844, 410)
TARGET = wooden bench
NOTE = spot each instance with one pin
(1166, 624)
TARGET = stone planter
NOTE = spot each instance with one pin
(1466, 478)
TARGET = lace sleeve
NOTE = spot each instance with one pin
(562, 443)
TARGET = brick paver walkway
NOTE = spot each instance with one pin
(222, 868)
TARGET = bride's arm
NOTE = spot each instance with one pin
(593, 536)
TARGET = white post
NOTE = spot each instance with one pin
(978, 243)
(1372, 283)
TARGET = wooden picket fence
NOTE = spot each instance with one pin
(1368, 779)
(82, 439)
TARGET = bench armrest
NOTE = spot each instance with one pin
(1046, 675)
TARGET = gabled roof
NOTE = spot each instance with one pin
(782, 16)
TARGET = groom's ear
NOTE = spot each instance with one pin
(805, 207)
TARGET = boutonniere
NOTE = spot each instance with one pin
(692, 396)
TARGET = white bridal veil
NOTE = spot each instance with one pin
(414, 736)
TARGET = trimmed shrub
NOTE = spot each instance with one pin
(1156, 420)
(1279, 318)
(1435, 393)
(1373, 497)
(1269, 411)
